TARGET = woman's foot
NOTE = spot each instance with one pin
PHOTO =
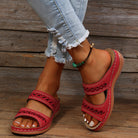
(92, 71)
(48, 82)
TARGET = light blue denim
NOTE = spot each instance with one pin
(64, 22)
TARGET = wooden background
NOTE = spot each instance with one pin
(23, 39)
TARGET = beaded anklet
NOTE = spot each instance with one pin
(80, 64)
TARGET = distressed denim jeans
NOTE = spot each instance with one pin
(64, 22)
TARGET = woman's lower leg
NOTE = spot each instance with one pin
(48, 82)
(49, 79)
(92, 71)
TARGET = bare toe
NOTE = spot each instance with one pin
(29, 123)
(89, 118)
(34, 124)
(24, 122)
(93, 122)
(17, 122)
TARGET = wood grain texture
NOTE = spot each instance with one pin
(13, 59)
(23, 40)
(69, 123)
(106, 18)
(112, 18)
(37, 42)
(25, 80)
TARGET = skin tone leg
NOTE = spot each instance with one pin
(92, 71)
(48, 82)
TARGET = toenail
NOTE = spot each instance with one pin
(87, 122)
(28, 126)
(17, 122)
(33, 126)
(85, 119)
(22, 125)
(91, 124)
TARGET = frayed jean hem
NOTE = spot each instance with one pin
(79, 41)
(65, 44)
(62, 55)
(62, 60)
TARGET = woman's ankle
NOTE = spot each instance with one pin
(80, 53)
(49, 88)
(49, 79)
(94, 69)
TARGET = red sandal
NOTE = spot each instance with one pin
(106, 84)
(43, 120)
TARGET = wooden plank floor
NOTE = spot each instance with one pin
(123, 121)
